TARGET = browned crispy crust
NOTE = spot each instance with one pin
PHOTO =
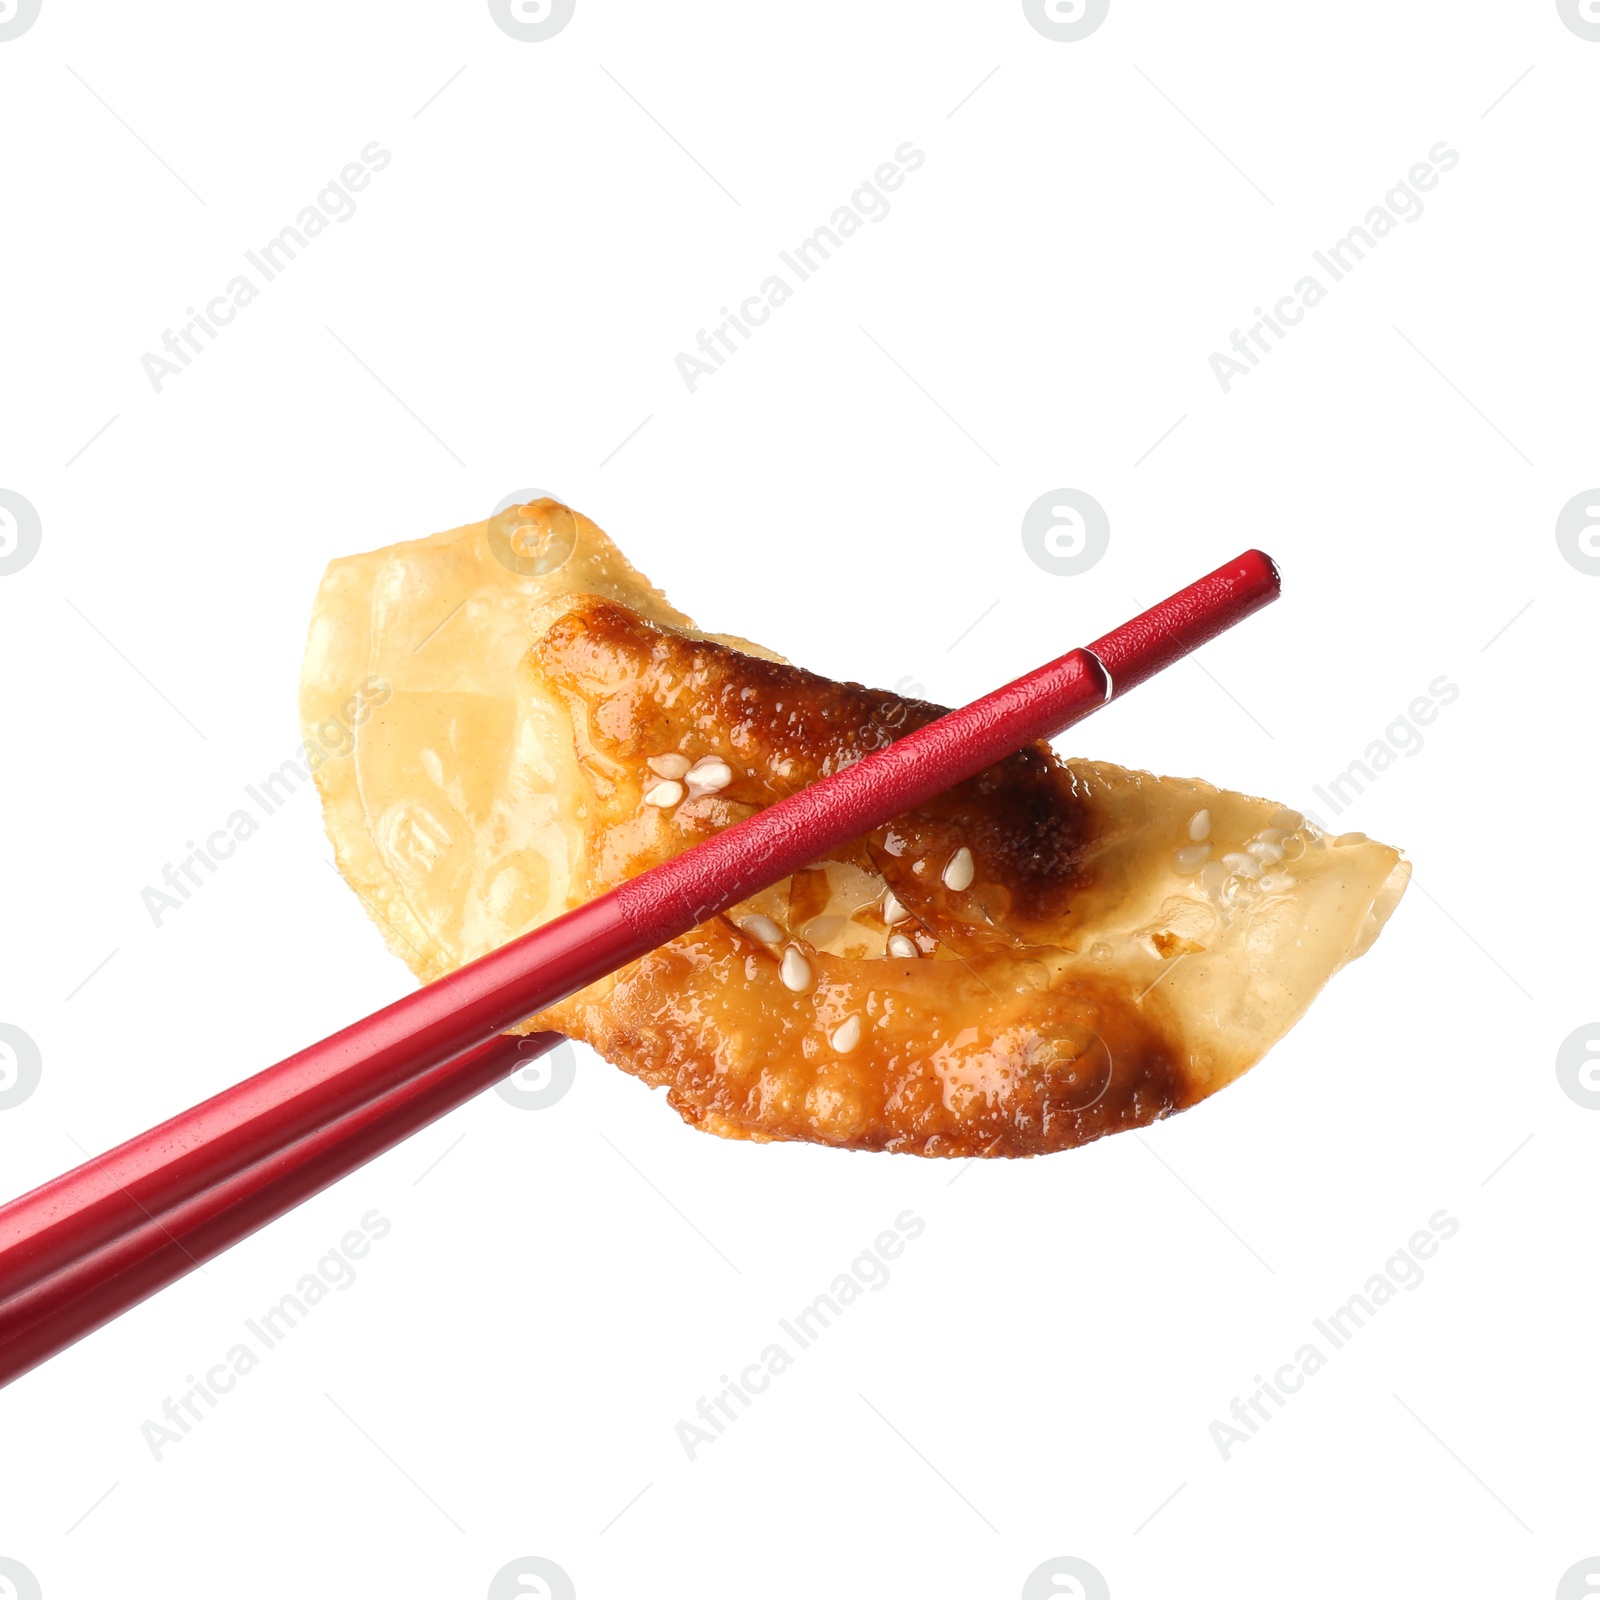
(979, 1046)
(634, 691)
(960, 1060)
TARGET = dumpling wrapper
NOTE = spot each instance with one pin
(517, 678)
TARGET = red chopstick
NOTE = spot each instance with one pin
(86, 1246)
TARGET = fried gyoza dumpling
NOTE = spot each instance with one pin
(1052, 951)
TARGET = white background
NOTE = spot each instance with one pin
(1036, 312)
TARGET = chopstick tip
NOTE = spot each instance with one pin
(1274, 573)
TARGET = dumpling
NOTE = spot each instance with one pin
(1050, 952)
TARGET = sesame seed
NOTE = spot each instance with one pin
(1262, 850)
(709, 775)
(901, 946)
(1289, 821)
(1271, 836)
(1237, 861)
(1212, 876)
(762, 928)
(668, 766)
(664, 794)
(958, 872)
(847, 1035)
(1275, 881)
(1191, 857)
(1200, 825)
(795, 971)
(893, 911)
